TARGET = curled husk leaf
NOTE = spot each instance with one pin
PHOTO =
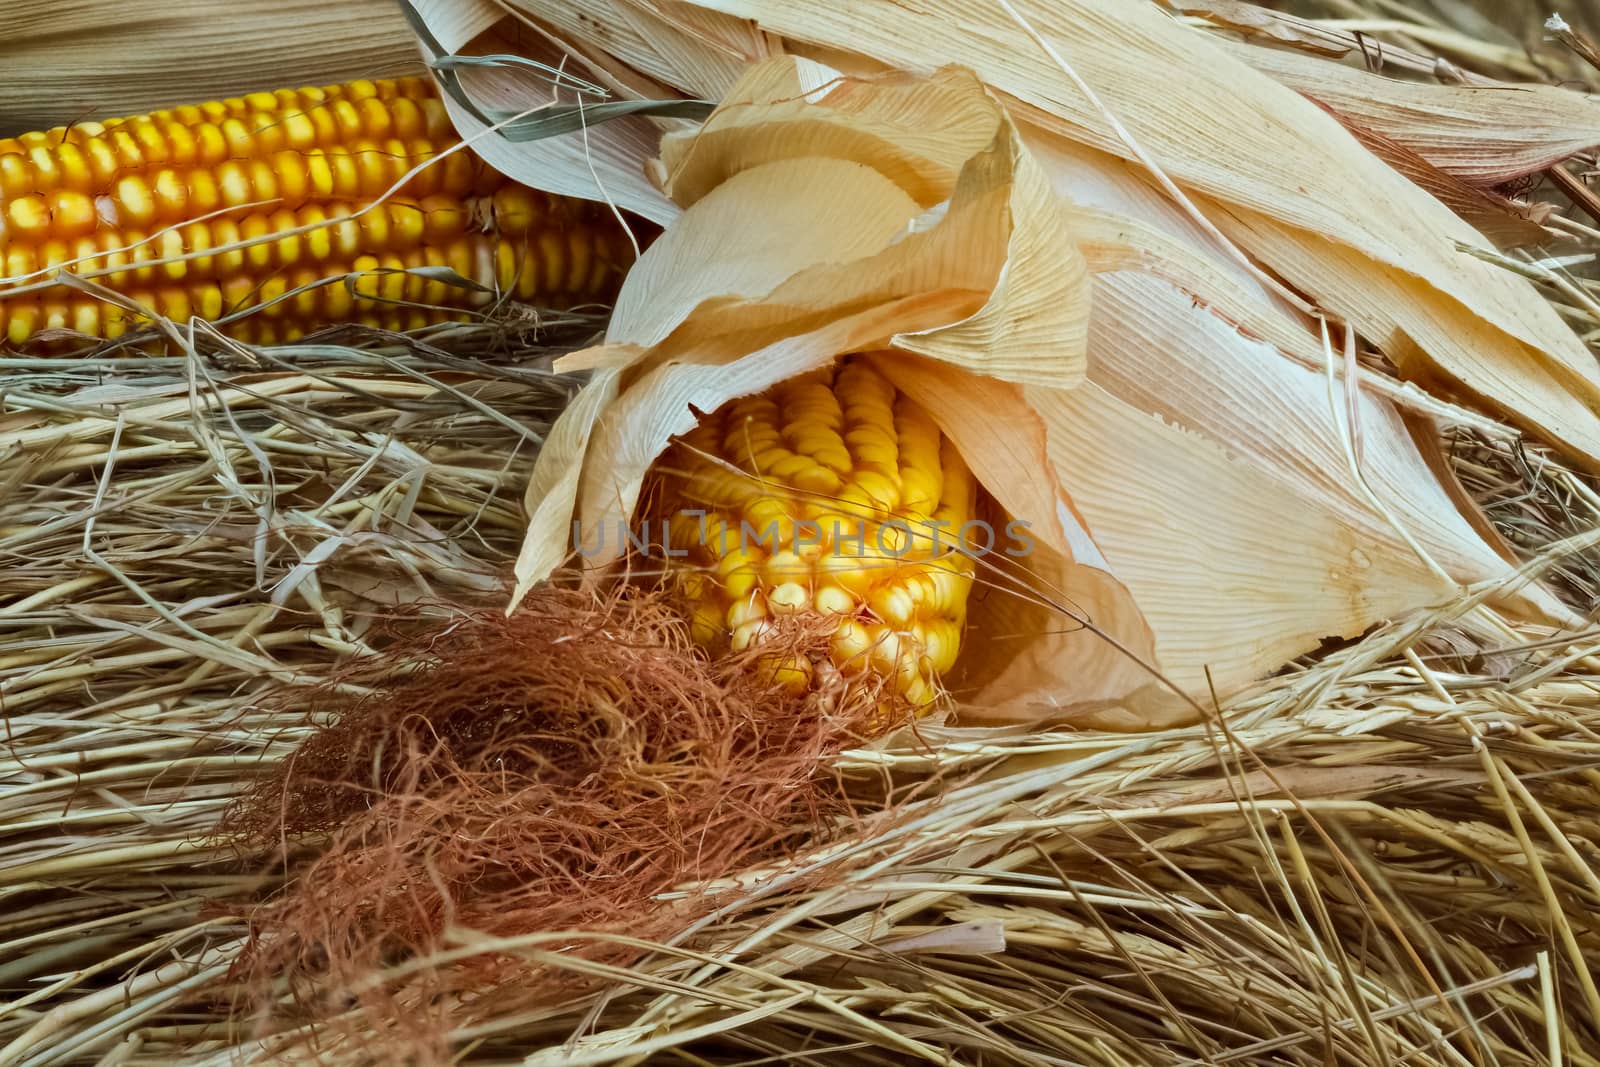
(1278, 174)
(856, 230)
(1142, 445)
(1485, 133)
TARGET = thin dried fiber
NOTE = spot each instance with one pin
(556, 770)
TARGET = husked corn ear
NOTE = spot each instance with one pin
(832, 495)
(152, 207)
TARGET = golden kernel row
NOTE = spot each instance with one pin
(569, 255)
(523, 269)
(286, 180)
(89, 157)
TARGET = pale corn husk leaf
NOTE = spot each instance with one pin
(1484, 134)
(676, 33)
(602, 161)
(658, 41)
(1228, 591)
(1244, 140)
(1254, 21)
(987, 291)
(553, 488)
(1504, 221)
(1177, 374)
(90, 59)
(1112, 242)
(1177, 333)
(1406, 317)
(771, 207)
(874, 124)
(1067, 650)
(1353, 38)
(865, 135)
(1413, 321)
(1125, 223)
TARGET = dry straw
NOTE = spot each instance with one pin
(1387, 854)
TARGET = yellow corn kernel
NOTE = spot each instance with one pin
(19, 263)
(263, 183)
(46, 167)
(71, 164)
(126, 149)
(851, 645)
(169, 248)
(101, 158)
(375, 229)
(515, 210)
(706, 625)
(16, 177)
(183, 146)
(507, 267)
(831, 600)
(861, 559)
(86, 317)
(152, 142)
(205, 195)
(57, 314)
(174, 304)
(790, 598)
(337, 302)
(135, 203)
(792, 673)
(552, 259)
(22, 321)
(392, 280)
(171, 195)
(366, 281)
(207, 301)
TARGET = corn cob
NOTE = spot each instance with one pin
(868, 502)
(121, 200)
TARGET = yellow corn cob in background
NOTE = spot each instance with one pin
(868, 500)
(127, 196)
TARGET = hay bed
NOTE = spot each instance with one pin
(1389, 854)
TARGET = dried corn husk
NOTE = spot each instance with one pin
(1483, 134)
(1501, 219)
(599, 162)
(1277, 173)
(845, 256)
(951, 257)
